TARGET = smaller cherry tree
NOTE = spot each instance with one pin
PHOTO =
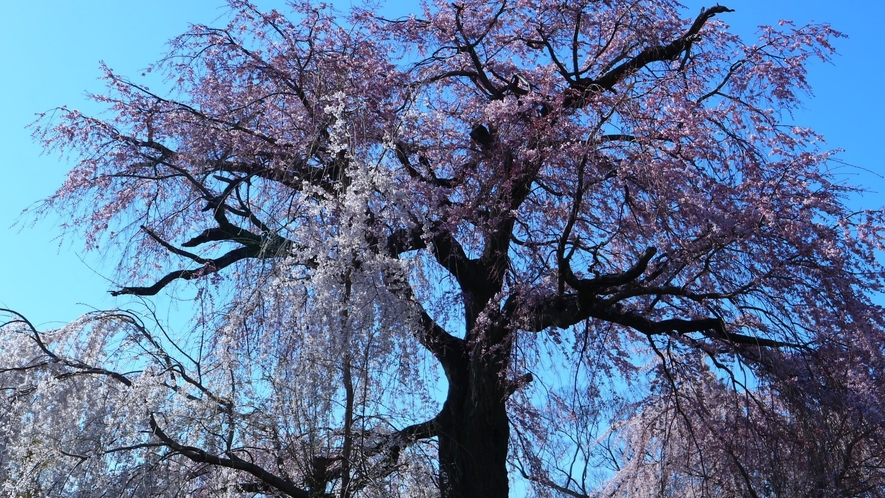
(568, 243)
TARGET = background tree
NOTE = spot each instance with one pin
(588, 217)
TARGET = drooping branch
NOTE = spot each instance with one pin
(79, 367)
(266, 67)
(230, 461)
(267, 481)
(197, 113)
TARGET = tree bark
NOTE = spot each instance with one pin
(474, 429)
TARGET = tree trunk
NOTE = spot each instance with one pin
(474, 432)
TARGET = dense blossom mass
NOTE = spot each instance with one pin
(548, 248)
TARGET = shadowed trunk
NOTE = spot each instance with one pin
(474, 428)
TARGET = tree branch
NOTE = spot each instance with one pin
(445, 347)
(565, 311)
(601, 282)
(394, 443)
(212, 266)
(671, 51)
(231, 461)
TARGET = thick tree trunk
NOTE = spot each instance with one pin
(474, 433)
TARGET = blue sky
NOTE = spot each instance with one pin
(51, 50)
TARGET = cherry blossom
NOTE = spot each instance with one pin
(571, 248)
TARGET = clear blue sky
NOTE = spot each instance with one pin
(51, 50)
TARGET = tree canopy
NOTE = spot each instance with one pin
(568, 245)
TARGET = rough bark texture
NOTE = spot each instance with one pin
(474, 431)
